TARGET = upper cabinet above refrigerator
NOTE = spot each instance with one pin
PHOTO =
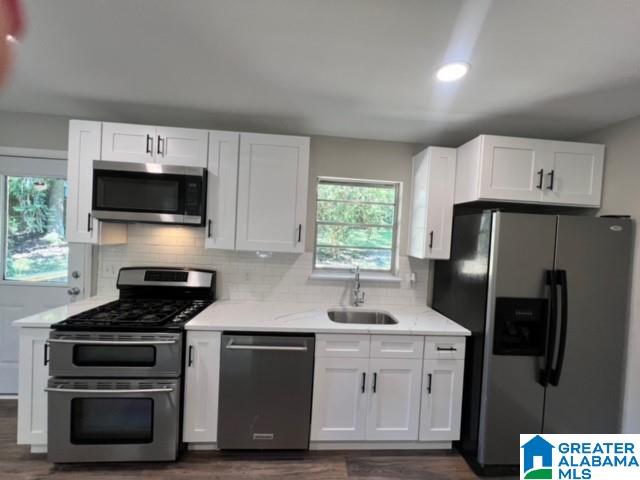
(526, 170)
(123, 142)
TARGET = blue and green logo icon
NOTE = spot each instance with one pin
(542, 468)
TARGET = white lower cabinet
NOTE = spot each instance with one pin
(202, 378)
(33, 375)
(394, 405)
(441, 399)
(384, 390)
(339, 399)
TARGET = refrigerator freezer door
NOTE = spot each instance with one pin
(595, 253)
(522, 249)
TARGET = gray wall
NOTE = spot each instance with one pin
(621, 195)
(29, 130)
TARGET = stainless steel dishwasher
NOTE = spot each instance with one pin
(266, 383)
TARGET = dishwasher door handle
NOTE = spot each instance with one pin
(283, 348)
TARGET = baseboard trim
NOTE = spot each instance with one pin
(8, 397)
(380, 446)
(202, 446)
(38, 449)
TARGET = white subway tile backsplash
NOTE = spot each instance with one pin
(244, 276)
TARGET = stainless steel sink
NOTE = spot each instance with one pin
(368, 317)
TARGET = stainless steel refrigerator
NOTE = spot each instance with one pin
(546, 300)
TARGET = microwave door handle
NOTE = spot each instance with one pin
(112, 342)
(98, 391)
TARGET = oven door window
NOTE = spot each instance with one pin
(114, 355)
(138, 192)
(113, 420)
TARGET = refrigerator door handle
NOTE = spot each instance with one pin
(545, 371)
(564, 321)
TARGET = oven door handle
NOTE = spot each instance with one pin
(289, 348)
(112, 342)
(82, 390)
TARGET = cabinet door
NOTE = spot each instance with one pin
(202, 377)
(575, 177)
(222, 185)
(123, 142)
(272, 193)
(394, 407)
(339, 399)
(84, 148)
(441, 400)
(510, 169)
(32, 380)
(181, 146)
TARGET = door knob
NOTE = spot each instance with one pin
(75, 274)
(73, 291)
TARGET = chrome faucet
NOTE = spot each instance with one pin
(358, 296)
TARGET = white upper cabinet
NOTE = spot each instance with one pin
(222, 183)
(526, 170)
(272, 192)
(81, 227)
(394, 405)
(123, 142)
(433, 180)
(575, 173)
(181, 146)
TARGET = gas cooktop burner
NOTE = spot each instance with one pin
(140, 313)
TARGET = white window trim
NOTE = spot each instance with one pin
(391, 276)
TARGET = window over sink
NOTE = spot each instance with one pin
(356, 225)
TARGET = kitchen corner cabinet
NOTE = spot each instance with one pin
(202, 378)
(433, 180)
(526, 170)
(84, 147)
(222, 183)
(32, 380)
(123, 142)
(272, 193)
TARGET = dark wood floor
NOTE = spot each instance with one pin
(17, 463)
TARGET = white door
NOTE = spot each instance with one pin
(202, 378)
(222, 184)
(32, 407)
(272, 192)
(512, 169)
(394, 407)
(441, 400)
(339, 399)
(181, 146)
(124, 142)
(441, 180)
(575, 177)
(40, 270)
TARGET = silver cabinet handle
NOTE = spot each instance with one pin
(232, 346)
(135, 390)
(112, 342)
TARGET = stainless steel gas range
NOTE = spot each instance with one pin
(115, 392)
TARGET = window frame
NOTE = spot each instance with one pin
(393, 270)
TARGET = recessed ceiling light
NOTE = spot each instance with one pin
(11, 38)
(451, 72)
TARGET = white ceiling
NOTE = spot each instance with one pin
(353, 68)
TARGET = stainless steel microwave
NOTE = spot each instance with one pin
(149, 192)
